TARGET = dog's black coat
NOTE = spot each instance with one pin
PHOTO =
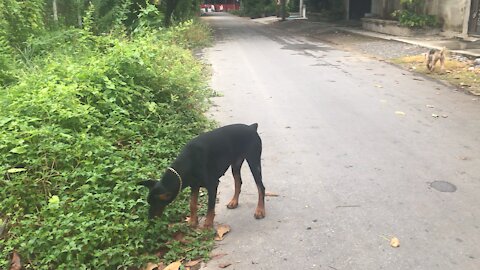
(203, 161)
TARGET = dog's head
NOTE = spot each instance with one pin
(158, 197)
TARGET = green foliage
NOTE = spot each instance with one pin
(412, 14)
(411, 19)
(20, 19)
(189, 34)
(186, 9)
(415, 6)
(87, 119)
(148, 17)
(256, 9)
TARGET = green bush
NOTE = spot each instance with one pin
(87, 119)
(20, 19)
(412, 14)
(411, 19)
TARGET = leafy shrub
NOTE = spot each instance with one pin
(411, 19)
(21, 19)
(256, 9)
(412, 14)
(87, 119)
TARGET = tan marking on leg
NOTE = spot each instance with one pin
(260, 211)
(193, 208)
(238, 186)
(209, 220)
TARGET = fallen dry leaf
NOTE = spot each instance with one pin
(270, 194)
(394, 242)
(221, 231)
(218, 256)
(224, 265)
(434, 115)
(16, 263)
(193, 263)
(173, 266)
(400, 113)
(151, 266)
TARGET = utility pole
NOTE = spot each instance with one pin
(301, 8)
(284, 9)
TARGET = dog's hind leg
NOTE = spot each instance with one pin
(254, 162)
(238, 183)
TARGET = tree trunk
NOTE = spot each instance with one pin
(55, 13)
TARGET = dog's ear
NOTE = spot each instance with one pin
(165, 196)
(148, 183)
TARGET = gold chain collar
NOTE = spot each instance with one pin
(179, 178)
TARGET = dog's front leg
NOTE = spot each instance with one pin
(193, 207)
(212, 198)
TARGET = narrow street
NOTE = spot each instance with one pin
(353, 152)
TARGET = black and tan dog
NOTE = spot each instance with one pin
(433, 56)
(202, 162)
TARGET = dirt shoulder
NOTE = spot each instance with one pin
(461, 72)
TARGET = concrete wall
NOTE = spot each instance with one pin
(450, 12)
(384, 8)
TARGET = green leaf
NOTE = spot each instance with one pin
(16, 170)
(5, 120)
(19, 150)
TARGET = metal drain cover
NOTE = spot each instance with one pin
(443, 186)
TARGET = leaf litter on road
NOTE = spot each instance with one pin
(222, 229)
(271, 194)
(224, 265)
(394, 241)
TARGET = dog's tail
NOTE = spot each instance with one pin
(254, 126)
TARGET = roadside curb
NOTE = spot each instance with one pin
(424, 44)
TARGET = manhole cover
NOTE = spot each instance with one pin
(443, 186)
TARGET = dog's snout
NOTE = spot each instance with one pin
(155, 212)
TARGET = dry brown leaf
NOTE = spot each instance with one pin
(151, 266)
(16, 263)
(224, 265)
(173, 266)
(218, 256)
(193, 263)
(394, 242)
(222, 229)
(271, 194)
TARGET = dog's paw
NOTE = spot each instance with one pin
(207, 226)
(232, 204)
(259, 213)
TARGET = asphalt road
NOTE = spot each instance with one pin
(352, 150)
